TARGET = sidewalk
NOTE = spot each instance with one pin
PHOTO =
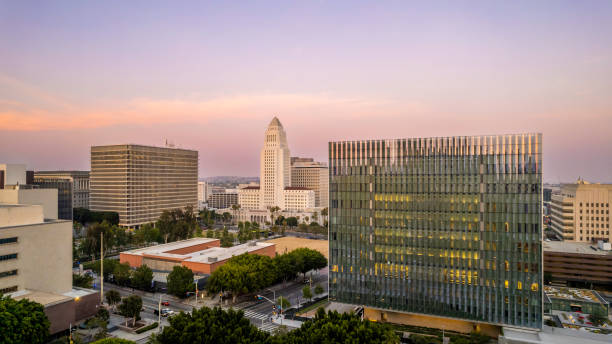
(287, 322)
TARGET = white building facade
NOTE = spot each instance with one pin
(275, 166)
(275, 189)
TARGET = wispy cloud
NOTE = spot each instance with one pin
(52, 114)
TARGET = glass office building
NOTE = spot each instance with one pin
(450, 227)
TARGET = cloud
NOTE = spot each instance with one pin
(20, 116)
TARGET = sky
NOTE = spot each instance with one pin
(210, 76)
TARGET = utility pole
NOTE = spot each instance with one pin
(101, 268)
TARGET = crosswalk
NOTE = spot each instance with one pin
(267, 325)
(254, 315)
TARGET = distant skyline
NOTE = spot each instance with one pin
(210, 76)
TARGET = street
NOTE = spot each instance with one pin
(259, 312)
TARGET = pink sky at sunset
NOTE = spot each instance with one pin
(210, 77)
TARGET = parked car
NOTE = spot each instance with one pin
(165, 303)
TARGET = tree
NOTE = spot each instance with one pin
(100, 321)
(324, 213)
(91, 243)
(273, 210)
(103, 314)
(113, 341)
(307, 259)
(112, 297)
(177, 224)
(283, 302)
(227, 240)
(82, 281)
(180, 281)
(206, 325)
(235, 208)
(122, 274)
(243, 274)
(22, 321)
(292, 221)
(142, 278)
(130, 307)
(285, 267)
(339, 328)
(318, 289)
(210, 233)
(307, 293)
(147, 233)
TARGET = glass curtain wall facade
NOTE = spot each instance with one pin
(441, 226)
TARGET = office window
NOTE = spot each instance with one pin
(8, 240)
(8, 256)
(8, 290)
(8, 273)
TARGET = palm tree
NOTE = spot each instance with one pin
(315, 216)
(273, 210)
(235, 208)
(324, 213)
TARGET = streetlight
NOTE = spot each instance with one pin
(260, 297)
(273, 293)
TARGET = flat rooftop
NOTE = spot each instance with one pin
(573, 247)
(223, 253)
(44, 298)
(164, 249)
(198, 255)
(574, 294)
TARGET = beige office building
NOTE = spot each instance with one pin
(581, 212)
(140, 182)
(307, 173)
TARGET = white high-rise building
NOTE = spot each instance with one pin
(275, 189)
(275, 167)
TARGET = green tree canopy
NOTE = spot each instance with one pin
(142, 277)
(122, 273)
(84, 216)
(22, 321)
(318, 289)
(208, 325)
(177, 224)
(283, 302)
(292, 221)
(112, 297)
(180, 281)
(307, 259)
(82, 281)
(307, 293)
(339, 328)
(286, 269)
(113, 341)
(243, 274)
(130, 307)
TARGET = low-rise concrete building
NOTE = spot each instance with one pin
(201, 255)
(574, 263)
